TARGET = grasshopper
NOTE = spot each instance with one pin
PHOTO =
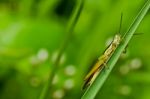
(103, 59)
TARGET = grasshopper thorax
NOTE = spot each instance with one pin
(117, 39)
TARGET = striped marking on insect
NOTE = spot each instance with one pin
(102, 61)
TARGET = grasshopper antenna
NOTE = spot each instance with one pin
(120, 26)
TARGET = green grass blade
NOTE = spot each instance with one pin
(98, 83)
(45, 94)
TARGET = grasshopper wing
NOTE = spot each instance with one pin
(92, 74)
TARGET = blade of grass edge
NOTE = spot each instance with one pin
(98, 83)
(45, 94)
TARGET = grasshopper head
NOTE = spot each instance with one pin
(117, 39)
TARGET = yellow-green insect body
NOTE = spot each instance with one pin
(102, 60)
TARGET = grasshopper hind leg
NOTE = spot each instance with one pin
(90, 80)
(87, 82)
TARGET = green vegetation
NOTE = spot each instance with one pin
(39, 41)
(94, 88)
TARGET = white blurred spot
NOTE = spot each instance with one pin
(42, 54)
(33, 60)
(125, 90)
(108, 41)
(55, 80)
(11, 32)
(70, 70)
(69, 84)
(55, 56)
(58, 94)
(124, 69)
(35, 82)
(136, 63)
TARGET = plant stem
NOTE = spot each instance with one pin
(46, 91)
(99, 81)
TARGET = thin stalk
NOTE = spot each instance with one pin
(98, 83)
(46, 6)
(46, 91)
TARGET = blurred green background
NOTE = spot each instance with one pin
(32, 31)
